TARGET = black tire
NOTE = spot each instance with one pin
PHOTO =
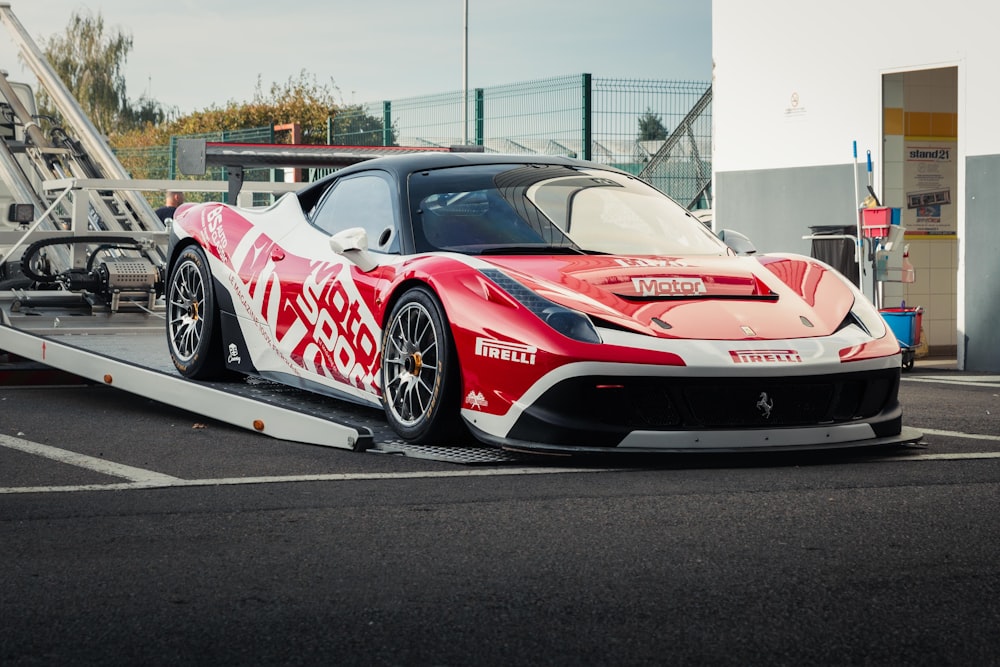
(419, 372)
(194, 334)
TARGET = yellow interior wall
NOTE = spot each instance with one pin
(922, 105)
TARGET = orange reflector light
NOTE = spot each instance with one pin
(258, 425)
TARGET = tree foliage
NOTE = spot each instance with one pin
(353, 126)
(301, 99)
(651, 127)
(90, 60)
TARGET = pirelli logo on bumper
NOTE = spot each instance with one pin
(498, 349)
(765, 356)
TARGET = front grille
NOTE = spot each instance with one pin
(632, 403)
(758, 404)
(599, 409)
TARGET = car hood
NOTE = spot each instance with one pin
(713, 298)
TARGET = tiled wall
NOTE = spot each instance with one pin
(935, 289)
(922, 105)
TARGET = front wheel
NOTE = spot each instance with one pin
(193, 328)
(419, 373)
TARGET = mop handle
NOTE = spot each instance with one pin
(859, 246)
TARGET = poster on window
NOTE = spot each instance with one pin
(929, 178)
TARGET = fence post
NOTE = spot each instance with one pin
(588, 116)
(386, 123)
(172, 163)
(480, 115)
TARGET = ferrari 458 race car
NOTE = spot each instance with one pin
(538, 303)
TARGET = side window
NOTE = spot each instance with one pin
(364, 201)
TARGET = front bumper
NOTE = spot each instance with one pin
(684, 414)
(709, 442)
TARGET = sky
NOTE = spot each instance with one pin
(191, 55)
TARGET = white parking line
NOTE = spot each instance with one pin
(959, 434)
(956, 456)
(137, 475)
(282, 479)
(147, 479)
(965, 380)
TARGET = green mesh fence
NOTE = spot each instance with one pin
(152, 162)
(657, 130)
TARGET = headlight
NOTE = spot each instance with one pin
(568, 322)
(863, 311)
(868, 317)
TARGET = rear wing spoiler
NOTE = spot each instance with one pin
(194, 156)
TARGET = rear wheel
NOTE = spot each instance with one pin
(194, 334)
(420, 381)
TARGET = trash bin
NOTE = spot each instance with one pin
(838, 250)
(905, 324)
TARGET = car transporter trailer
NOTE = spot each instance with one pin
(101, 319)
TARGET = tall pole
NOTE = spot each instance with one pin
(465, 78)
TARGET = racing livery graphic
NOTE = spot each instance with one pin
(541, 304)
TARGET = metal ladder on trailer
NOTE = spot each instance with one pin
(41, 171)
(77, 189)
(60, 156)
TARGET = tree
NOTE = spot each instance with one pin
(651, 127)
(301, 100)
(147, 112)
(354, 126)
(90, 61)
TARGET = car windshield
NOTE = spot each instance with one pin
(526, 208)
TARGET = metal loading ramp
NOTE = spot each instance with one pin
(131, 355)
(96, 310)
(127, 350)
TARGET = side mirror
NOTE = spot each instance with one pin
(354, 238)
(352, 245)
(738, 243)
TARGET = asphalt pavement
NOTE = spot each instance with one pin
(133, 533)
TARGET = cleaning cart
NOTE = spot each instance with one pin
(876, 229)
(890, 257)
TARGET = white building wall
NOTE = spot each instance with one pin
(832, 56)
(796, 84)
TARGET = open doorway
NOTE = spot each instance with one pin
(920, 177)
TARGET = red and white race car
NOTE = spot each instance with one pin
(540, 303)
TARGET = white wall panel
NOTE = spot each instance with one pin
(833, 56)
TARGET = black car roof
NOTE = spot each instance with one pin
(410, 162)
(407, 163)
